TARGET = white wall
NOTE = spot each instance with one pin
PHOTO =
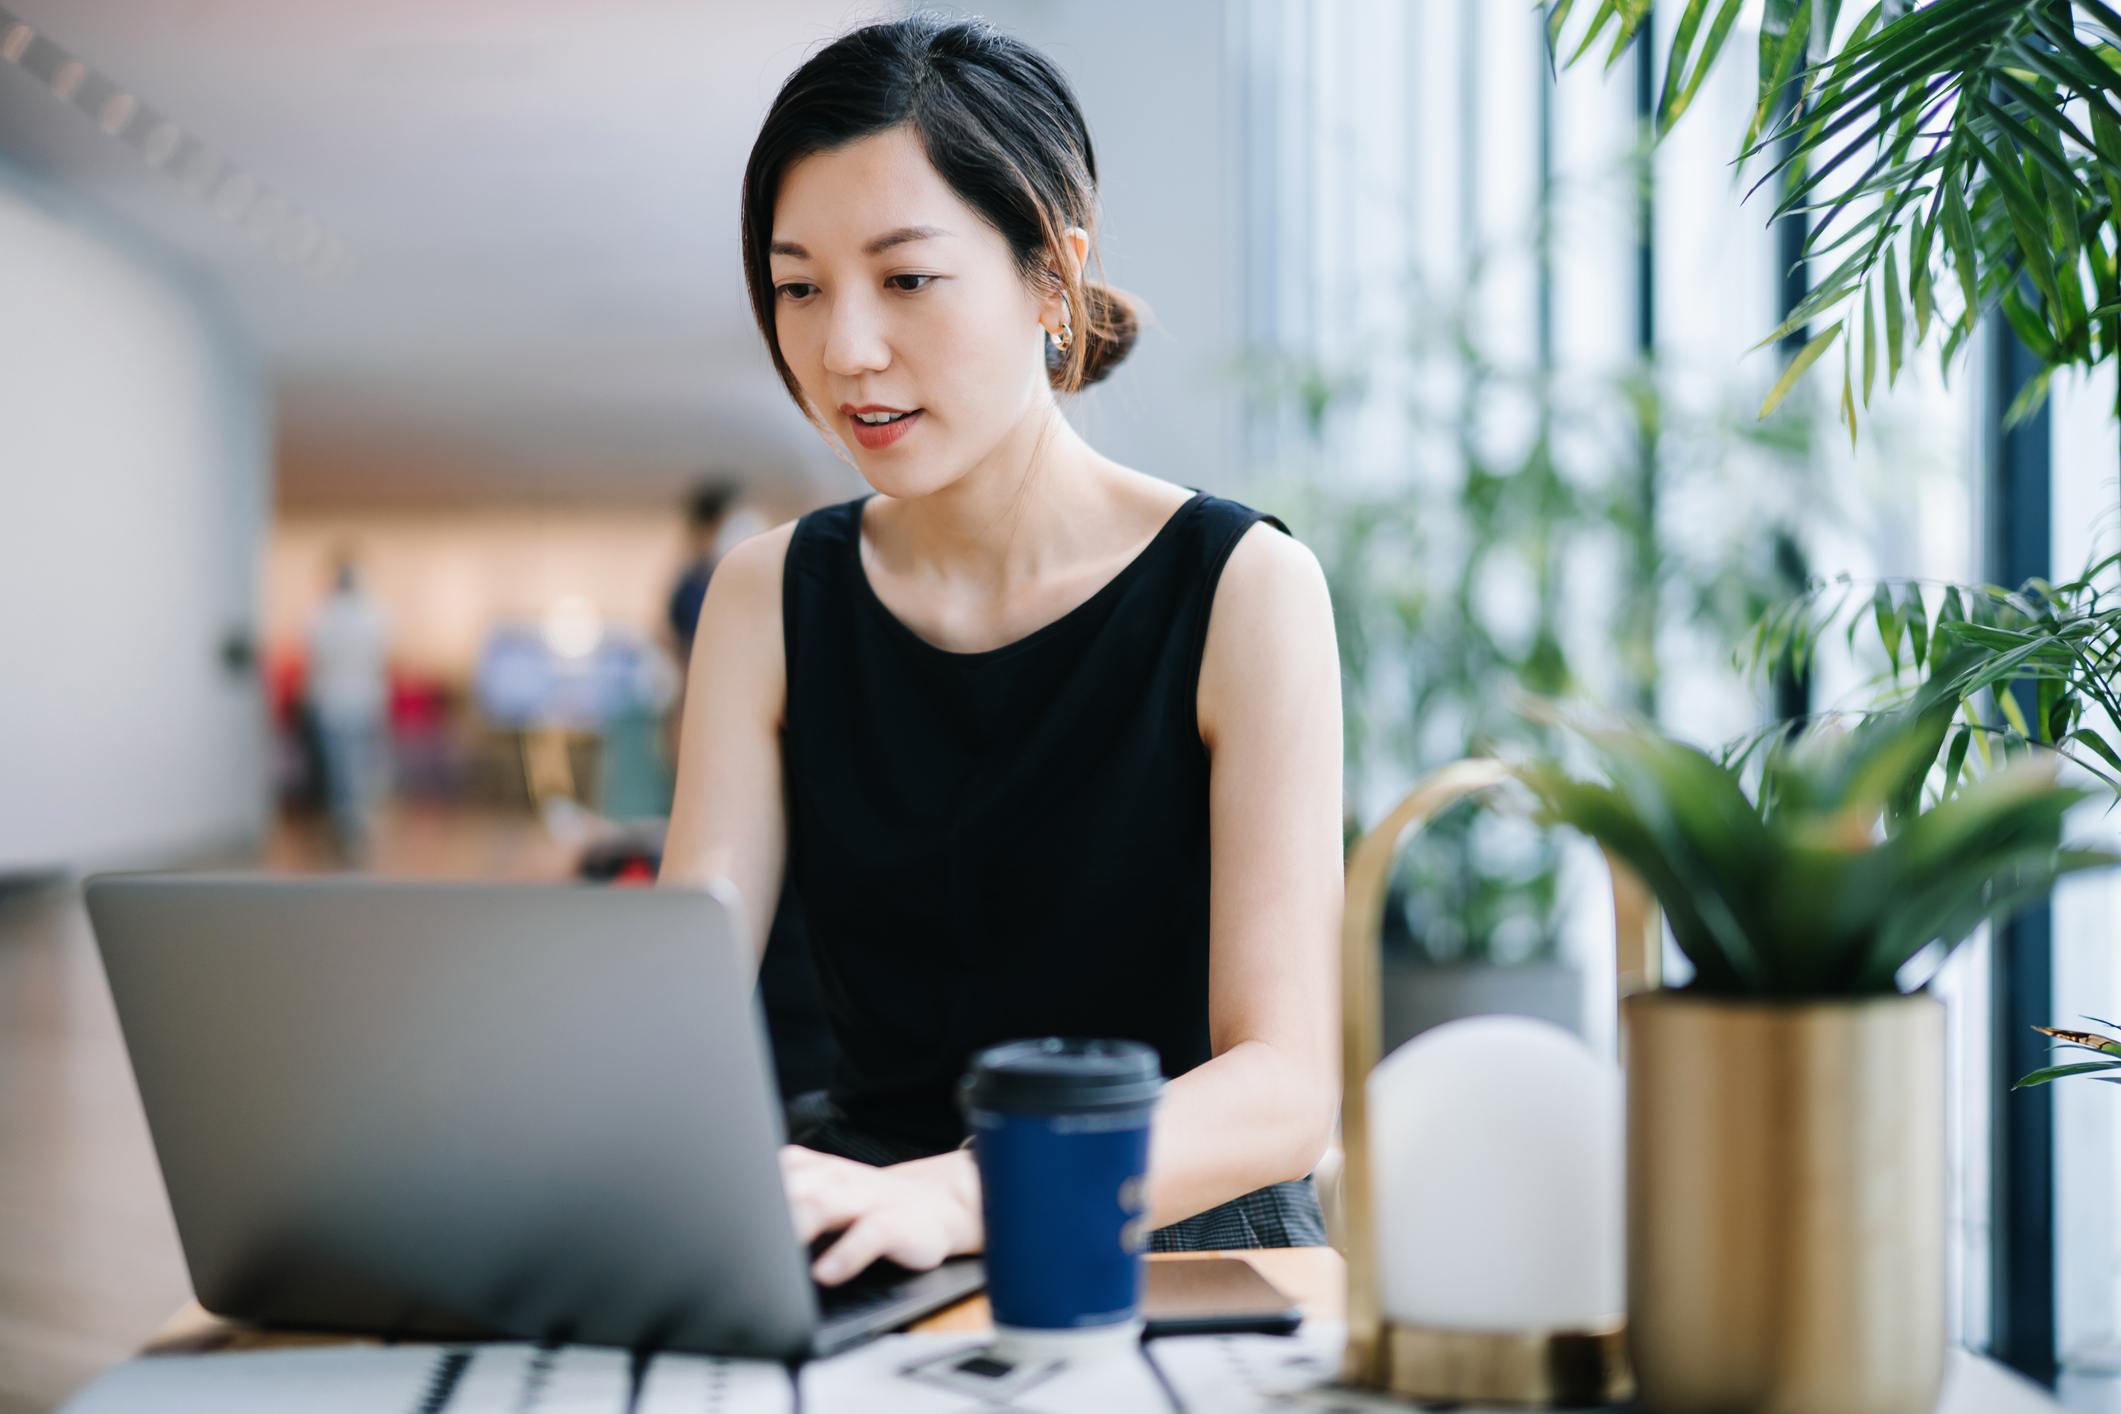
(134, 448)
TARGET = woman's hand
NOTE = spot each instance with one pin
(915, 1213)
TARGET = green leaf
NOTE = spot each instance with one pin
(1557, 16)
(1917, 620)
(2070, 62)
(1675, 63)
(2063, 1072)
(2026, 322)
(2007, 704)
(1679, 94)
(1607, 11)
(1893, 319)
(2019, 205)
(2028, 399)
(2099, 745)
(2042, 109)
(1848, 401)
(1870, 347)
(1959, 239)
(1806, 357)
(1955, 759)
(1783, 27)
(2057, 712)
(1888, 624)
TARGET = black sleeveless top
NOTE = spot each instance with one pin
(986, 846)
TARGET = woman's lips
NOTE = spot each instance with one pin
(876, 437)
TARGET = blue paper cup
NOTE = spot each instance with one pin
(1060, 1129)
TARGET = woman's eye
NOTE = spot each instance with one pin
(794, 290)
(909, 289)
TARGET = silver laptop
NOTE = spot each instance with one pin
(440, 1110)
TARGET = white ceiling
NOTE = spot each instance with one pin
(540, 288)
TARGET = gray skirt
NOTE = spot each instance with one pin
(1280, 1215)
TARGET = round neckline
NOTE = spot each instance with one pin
(1044, 631)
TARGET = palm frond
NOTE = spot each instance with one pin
(1969, 146)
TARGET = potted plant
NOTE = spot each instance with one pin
(1785, 1105)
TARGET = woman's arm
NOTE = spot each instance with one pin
(730, 819)
(1262, 1109)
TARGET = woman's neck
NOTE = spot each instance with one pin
(1024, 509)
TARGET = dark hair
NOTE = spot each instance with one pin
(1000, 125)
(709, 502)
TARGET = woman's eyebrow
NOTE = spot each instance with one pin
(875, 245)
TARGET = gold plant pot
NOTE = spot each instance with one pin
(1785, 1205)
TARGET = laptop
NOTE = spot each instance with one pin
(439, 1110)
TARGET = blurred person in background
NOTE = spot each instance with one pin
(1021, 779)
(349, 700)
(707, 516)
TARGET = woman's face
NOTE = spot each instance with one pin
(891, 293)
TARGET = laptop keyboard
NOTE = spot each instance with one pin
(886, 1296)
(877, 1287)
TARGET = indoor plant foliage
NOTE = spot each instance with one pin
(1828, 878)
(2047, 656)
(1785, 1107)
(1950, 158)
(2031, 669)
(2107, 1048)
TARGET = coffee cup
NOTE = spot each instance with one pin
(1060, 1131)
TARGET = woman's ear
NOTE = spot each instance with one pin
(1076, 250)
(1078, 241)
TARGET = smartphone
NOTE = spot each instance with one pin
(1214, 1296)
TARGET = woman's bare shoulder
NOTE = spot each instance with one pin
(1270, 628)
(753, 564)
(740, 624)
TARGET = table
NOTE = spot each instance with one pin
(1315, 1277)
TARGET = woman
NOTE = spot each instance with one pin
(1044, 744)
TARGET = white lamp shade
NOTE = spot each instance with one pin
(1496, 1149)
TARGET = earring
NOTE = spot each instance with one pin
(1066, 335)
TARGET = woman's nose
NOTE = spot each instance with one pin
(854, 339)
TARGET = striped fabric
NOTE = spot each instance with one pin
(1283, 1215)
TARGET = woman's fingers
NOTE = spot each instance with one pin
(826, 1208)
(819, 1198)
(860, 1245)
(824, 1192)
(904, 1212)
(903, 1233)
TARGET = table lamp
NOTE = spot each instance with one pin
(1482, 1183)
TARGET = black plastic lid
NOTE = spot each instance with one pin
(1053, 1075)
